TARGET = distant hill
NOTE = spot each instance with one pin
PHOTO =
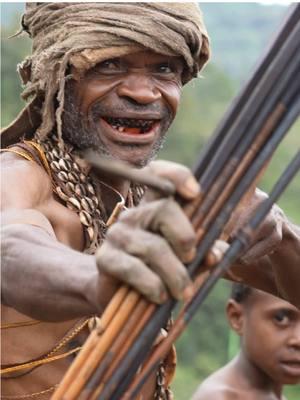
(239, 33)
(9, 12)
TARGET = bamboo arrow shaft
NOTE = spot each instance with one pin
(91, 342)
(104, 342)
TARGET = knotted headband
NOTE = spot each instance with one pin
(83, 34)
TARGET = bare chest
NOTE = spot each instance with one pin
(257, 394)
(37, 354)
(65, 223)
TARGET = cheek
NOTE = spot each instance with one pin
(171, 93)
(89, 91)
(262, 344)
(254, 336)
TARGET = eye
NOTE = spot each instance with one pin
(169, 69)
(164, 68)
(282, 318)
(110, 66)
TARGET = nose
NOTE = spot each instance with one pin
(294, 340)
(139, 88)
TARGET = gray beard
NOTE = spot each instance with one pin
(80, 132)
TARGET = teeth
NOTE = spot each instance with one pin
(120, 124)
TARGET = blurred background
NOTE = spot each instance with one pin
(239, 35)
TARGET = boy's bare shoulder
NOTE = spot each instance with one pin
(217, 387)
(217, 392)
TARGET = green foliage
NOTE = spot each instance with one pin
(186, 381)
(13, 51)
(203, 103)
(290, 199)
(292, 392)
(239, 33)
(202, 349)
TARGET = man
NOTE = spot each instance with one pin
(269, 358)
(107, 77)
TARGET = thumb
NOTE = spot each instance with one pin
(181, 177)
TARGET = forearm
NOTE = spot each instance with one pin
(45, 279)
(278, 272)
(258, 274)
(286, 263)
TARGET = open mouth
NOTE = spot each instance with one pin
(293, 367)
(131, 126)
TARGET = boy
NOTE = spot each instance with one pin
(270, 349)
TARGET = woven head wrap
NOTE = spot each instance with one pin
(83, 34)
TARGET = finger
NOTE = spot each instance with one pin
(132, 271)
(272, 222)
(183, 179)
(260, 249)
(244, 212)
(155, 252)
(165, 216)
(266, 238)
(174, 225)
(216, 253)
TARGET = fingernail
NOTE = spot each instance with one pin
(188, 293)
(210, 259)
(192, 186)
(213, 257)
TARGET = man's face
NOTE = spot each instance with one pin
(271, 336)
(123, 107)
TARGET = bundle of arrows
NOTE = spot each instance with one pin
(238, 152)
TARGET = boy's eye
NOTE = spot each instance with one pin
(281, 318)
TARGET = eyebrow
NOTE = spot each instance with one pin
(285, 309)
(171, 62)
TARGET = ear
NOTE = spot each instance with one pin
(235, 315)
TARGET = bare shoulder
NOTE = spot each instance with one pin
(218, 392)
(24, 183)
(216, 387)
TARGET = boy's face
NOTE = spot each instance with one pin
(270, 335)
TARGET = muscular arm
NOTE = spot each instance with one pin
(41, 277)
(272, 263)
(46, 278)
(285, 261)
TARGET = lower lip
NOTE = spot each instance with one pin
(129, 138)
(292, 369)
